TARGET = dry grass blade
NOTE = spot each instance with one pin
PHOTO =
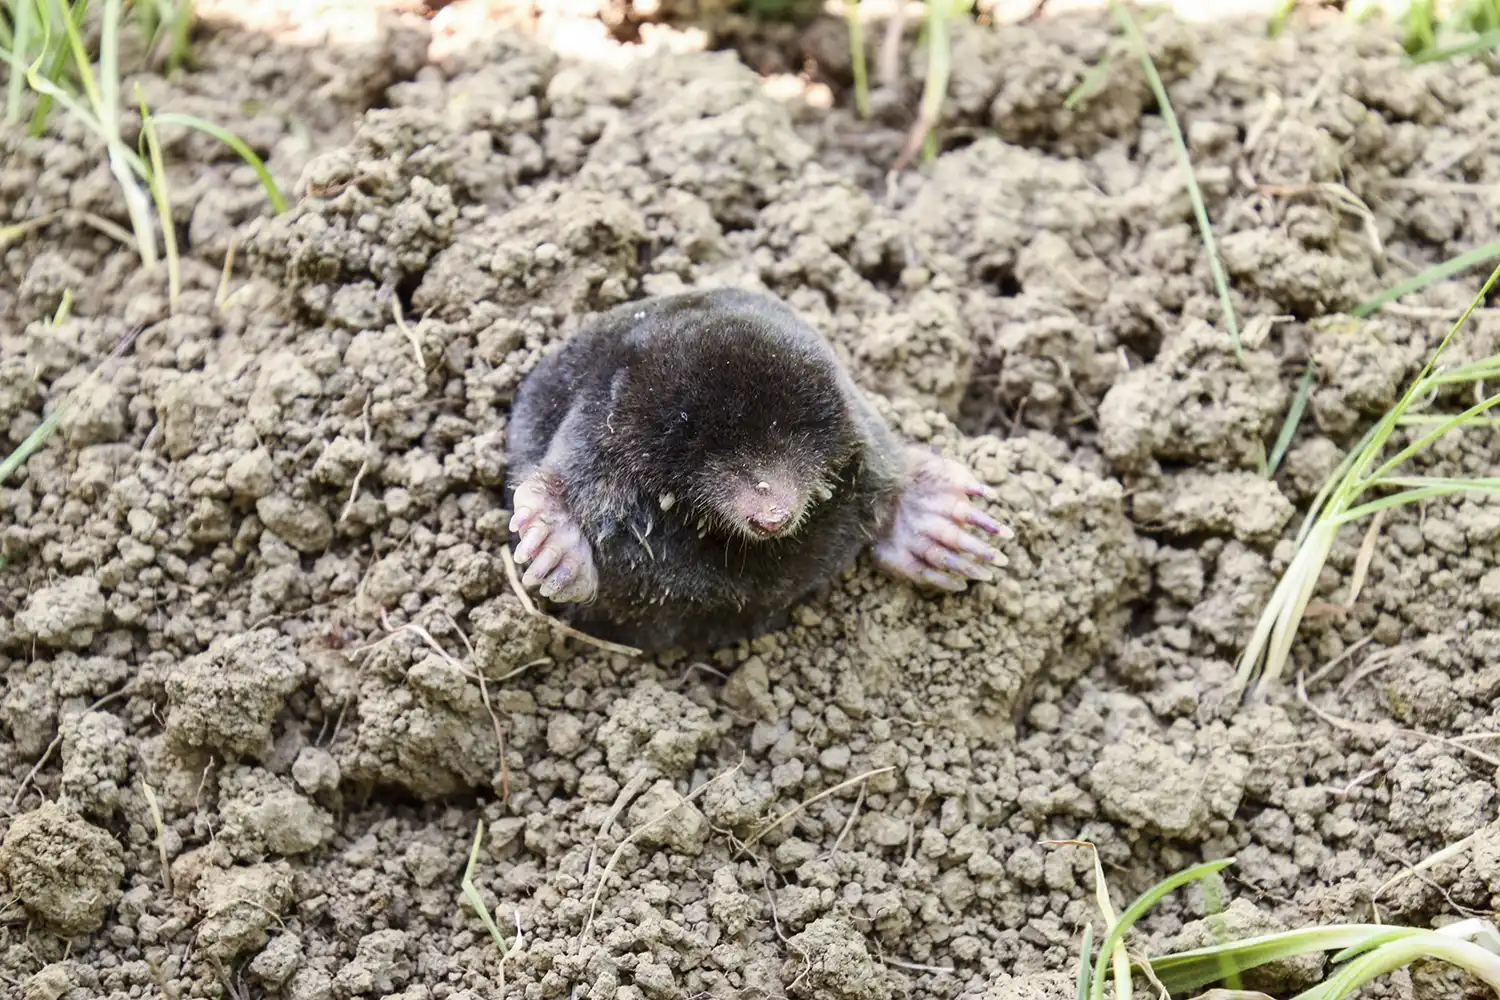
(1363, 559)
(12, 233)
(631, 838)
(563, 627)
(1118, 956)
(1388, 732)
(161, 834)
(857, 779)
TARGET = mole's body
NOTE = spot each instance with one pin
(685, 469)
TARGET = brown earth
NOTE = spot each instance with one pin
(259, 571)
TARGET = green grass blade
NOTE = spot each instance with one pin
(33, 442)
(103, 93)
(1293, 418)
(1085, 959)
(1382, 430)
(1279, 18)
(1486, 483)
(48, 427)
(1304, 574)
(1376, 938)
(857, 58)
(1138, 909)
(123, 162)
(1195, 194)
(24, 12)
(54, 53)
(1479, 43)
(157, 182)
(1393, 955)
(1340, 472)
(1414, 495)
(81, 60)
(1432, 275)
(1190, 970)
(1420, 24)
(1421, 444)
(471, 893)
(939, 67)
(182, 29)
(1091, 84)
(234, 142)
(1473, 371)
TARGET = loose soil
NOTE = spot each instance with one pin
(264, 675)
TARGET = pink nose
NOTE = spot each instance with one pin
(770, 520)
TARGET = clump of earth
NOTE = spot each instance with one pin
(262, 674)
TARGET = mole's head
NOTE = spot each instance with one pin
(748, 431)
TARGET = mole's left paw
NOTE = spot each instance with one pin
(563, 559)
(926, 539)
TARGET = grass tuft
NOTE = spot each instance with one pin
(1091, 982)
(1344, 497)
(140, 173)
(1195, 193)
(921, 138)
(1364, 952)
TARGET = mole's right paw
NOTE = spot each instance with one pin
(562, 562)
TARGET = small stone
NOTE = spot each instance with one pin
(315, 771)
(48, 984)
(565, 735)
(251, 476)
(305, 526)
(684, 828)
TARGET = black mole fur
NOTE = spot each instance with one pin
(676, 395)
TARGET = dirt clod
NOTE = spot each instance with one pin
(65, 871)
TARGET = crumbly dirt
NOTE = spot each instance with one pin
(262, 674)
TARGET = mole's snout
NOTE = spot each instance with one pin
(765, 507)
(770, 520)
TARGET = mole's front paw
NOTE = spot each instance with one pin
(926, 538)
(552, 541)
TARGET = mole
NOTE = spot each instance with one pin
(683, 470)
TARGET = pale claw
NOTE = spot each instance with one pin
(561, 560)
(926, 539)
